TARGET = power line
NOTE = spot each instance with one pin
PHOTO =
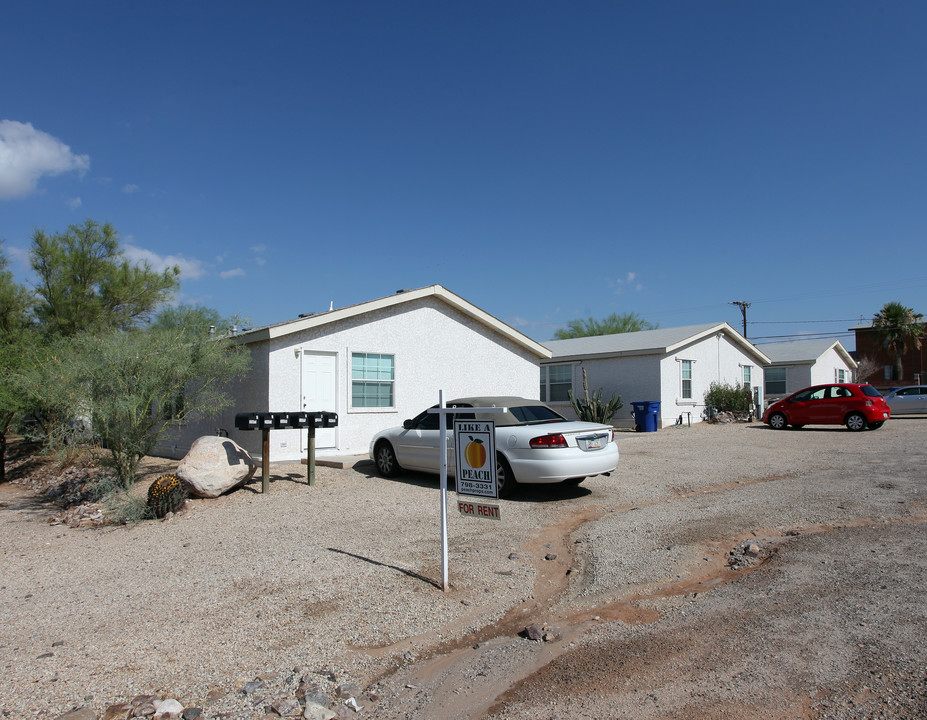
(798, 322)
(804, 336)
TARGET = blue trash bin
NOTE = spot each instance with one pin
(645, 416)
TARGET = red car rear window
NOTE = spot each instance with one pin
(870, 391)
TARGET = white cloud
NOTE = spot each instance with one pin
(260, 261)
(130, 188)
(74, 203)
(27, 154)
(628, 282)
(190, 268)
(259, 248)
(237, 272)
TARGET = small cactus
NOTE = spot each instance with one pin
(166, 495)
(593, 408)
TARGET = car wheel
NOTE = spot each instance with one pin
(386, 459)
(856, 422)
(777, 421)
(505, 479)
(876, 425)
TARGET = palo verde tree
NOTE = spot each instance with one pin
(611, 325)
(194, 321)
(131, 384)
(84, 282)
(901, 330)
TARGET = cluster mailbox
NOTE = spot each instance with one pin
(267, 421)
(283, 420)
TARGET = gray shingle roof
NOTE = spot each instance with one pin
(801, 351)
(645, 342)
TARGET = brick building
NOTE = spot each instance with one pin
(869, 346)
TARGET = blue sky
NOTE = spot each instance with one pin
(545, 160)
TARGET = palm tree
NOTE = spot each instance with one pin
(901, 329)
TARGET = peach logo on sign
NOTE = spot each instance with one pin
(475, 453)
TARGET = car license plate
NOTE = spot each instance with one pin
(592, 442)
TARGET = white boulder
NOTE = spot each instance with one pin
(215, 465)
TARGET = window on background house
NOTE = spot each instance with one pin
(686, 370)
(887, 372)
(556, 383)
(372, 379)
(840, 376)
(775, 381)
(748, 375)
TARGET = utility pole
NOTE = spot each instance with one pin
(743, 309)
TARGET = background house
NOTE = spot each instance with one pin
(375, 364)
(674, 366)
(869, 346)
(796, 365)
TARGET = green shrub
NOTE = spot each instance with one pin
(729, 398)
(126, 509)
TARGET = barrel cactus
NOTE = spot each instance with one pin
(166, 495)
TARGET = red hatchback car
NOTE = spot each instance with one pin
(858, 406)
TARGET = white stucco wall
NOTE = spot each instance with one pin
(658, 377)
(435, 347)
(825, 369)
(818, 372)
(634, 378)
(715, 359)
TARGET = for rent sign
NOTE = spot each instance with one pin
(475, 444)
(478, 509)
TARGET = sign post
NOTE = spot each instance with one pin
(442, 410)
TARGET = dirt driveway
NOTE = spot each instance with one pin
(724, 572)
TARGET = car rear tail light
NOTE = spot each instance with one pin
(869, 403)
(555, 440)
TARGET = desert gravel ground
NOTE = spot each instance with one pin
(723, 572)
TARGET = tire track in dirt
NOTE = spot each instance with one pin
(463, 678)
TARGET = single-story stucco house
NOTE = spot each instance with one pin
(796, 365)
(672, 366)
(375, 364)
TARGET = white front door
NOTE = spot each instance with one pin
(319, 392)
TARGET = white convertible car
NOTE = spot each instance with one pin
(534, 444)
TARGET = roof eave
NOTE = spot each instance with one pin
(332, 316)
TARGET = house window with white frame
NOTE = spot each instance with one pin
(556, 383)
(840, 375)
(373, 376)
(685, 367)
(747, 375)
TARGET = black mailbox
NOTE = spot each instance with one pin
(282, 420)
(300, 420)
(246, 421)
(328, 419)
(265, 421)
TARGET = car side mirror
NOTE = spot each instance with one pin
(407, 425)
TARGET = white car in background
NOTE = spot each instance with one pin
(534, 444)
(911, 400)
